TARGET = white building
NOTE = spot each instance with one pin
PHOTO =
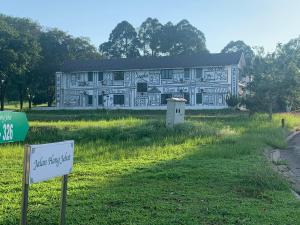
(204, 80)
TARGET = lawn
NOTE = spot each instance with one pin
(130, 169)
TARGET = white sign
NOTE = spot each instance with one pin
(50, 160)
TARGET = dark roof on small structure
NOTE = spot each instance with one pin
(181, 61)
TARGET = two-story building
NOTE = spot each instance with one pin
(204, 80)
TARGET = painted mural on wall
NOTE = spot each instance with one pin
(202, 87)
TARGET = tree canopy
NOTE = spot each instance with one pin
(123, 42)
(153, 39)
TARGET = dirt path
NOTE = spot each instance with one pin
(289, 162)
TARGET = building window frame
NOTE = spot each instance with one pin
(90, 76)
(90, 100)
(100, 100)
(142, 87)
(187, 73)
(187, 97)
(199, 73)
(163, 100)
(119, 99)
(199, 98)
(118, 76)
(100, 76)
(166, 74)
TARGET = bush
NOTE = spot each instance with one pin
(232, 101)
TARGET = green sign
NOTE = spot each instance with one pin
(13, 126)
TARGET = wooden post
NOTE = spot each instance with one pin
(282, 123)
(64, 187)
(25, 186)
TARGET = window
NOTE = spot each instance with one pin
(90, 100)
(118, 99)
(100, 76)
(90, 76)
(186, 96)
(220, 100)
(100, 99)
(119, 75)
(166, 74)
(199, 98)
(142, 87)
(186, 73)
(199, 73)
(211, 99)
(164, 97)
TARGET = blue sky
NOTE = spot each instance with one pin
(257, 22)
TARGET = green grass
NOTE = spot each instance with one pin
(130, 169)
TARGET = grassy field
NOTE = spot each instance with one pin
(130, 169)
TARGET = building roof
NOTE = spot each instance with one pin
(181, 61)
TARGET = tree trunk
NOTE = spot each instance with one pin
(2, 94)
(50, 99)
(29, 102)
(270, 110)
(21, 98)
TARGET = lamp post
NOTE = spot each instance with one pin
(3, 77)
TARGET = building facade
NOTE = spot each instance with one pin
(146, 83)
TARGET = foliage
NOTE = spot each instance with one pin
(57, 47)
(240, 46)
(20, 52)
(149, 38)
(30, 56)
(276, 80)
(232, 101)
(130, 169)
(249, 55)
(123, 42)
(153, 39)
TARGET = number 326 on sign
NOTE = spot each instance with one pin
(13, 126)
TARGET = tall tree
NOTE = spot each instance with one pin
(123, 42)
(189, 39)
(240, 46)
(182, 38)
(57, 47)
(275, 82)
(167, 38)
(8, 56)
(148, 35)
(25, 48)
(288, 63)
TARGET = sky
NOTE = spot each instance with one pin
(256, 22)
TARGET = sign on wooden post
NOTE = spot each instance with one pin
(43, 162)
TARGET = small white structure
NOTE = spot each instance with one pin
(175, 111)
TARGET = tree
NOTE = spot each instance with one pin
(266, 82)
(57, 47)
(190, 40)
(232, 101)
(182, 38)
(275, 84)
(240, 46)
(167, 39)
(288, 63)
(19, 52)
(8, 56)
(123, 42)
(149, 36)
